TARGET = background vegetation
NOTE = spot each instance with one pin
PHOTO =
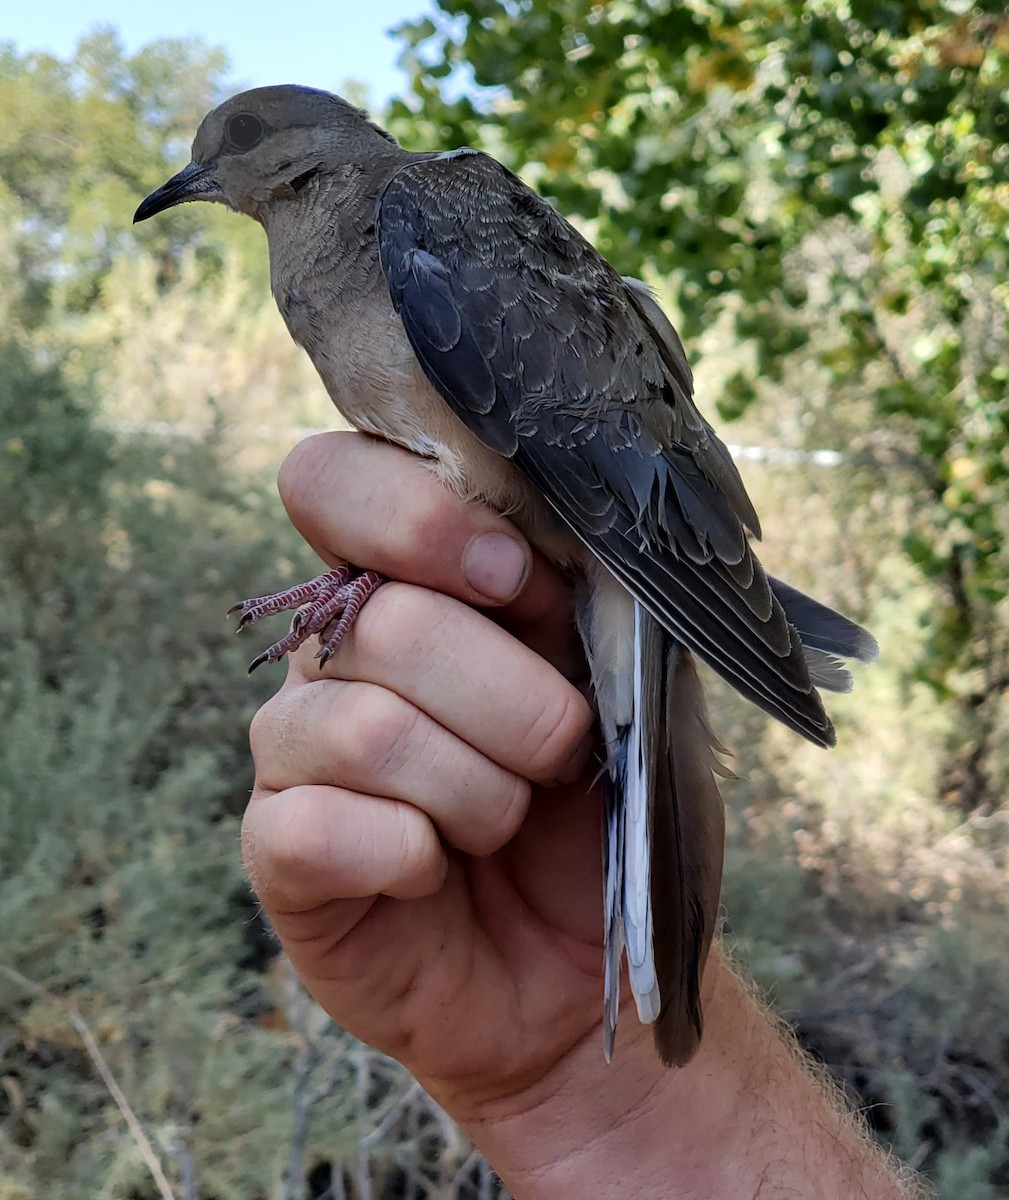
(820, 192)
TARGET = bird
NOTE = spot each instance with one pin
(451, 310)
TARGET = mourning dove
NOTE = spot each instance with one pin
(451, 310)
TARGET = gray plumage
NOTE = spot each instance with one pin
(450, 309)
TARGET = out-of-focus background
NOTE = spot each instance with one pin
(819, 193)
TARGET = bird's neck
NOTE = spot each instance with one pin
(327, 232)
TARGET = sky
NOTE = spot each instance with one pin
(298, 41)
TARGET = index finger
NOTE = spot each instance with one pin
(359, 499)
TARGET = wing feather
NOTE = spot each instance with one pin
(576, 375)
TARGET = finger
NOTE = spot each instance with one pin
(359, 499)
(470, 676)
(309, 845)
(370, 740)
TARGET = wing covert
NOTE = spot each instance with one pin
(557, 363)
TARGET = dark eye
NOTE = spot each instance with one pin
(244, 130)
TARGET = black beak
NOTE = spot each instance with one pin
(194, 182)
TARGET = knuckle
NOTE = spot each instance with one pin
(251, 853)
(291, 478)
(418, 858)
(277, 840)
(263, 729)
(376, 730)
(280, 727)
(391, 623)
(408, 843)
(502, 819)
(555, 733)
(296, 480)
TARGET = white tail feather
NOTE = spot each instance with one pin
(637, 903)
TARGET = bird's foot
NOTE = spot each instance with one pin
(326, 605)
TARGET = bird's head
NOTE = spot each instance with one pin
(267, 145)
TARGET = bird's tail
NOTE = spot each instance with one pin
(827, 637)
(663, 846)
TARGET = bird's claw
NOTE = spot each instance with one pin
(326, 605)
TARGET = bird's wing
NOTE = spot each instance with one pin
(557, 363)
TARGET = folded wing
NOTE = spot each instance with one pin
(573, 373)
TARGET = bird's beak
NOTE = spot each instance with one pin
(194, 182)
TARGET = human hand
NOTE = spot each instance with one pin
(436, 902)
(424, 835)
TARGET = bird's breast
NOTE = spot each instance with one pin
(363, 356)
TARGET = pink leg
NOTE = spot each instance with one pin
(326, 605)
(335, 629)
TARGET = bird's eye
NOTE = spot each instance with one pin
(244, 130)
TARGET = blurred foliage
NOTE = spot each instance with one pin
(135, 507)
(819, 193)
(81, 140)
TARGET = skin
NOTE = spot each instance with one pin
(425, 836)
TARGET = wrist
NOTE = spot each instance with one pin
(592, 1128)
(746, 1116)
